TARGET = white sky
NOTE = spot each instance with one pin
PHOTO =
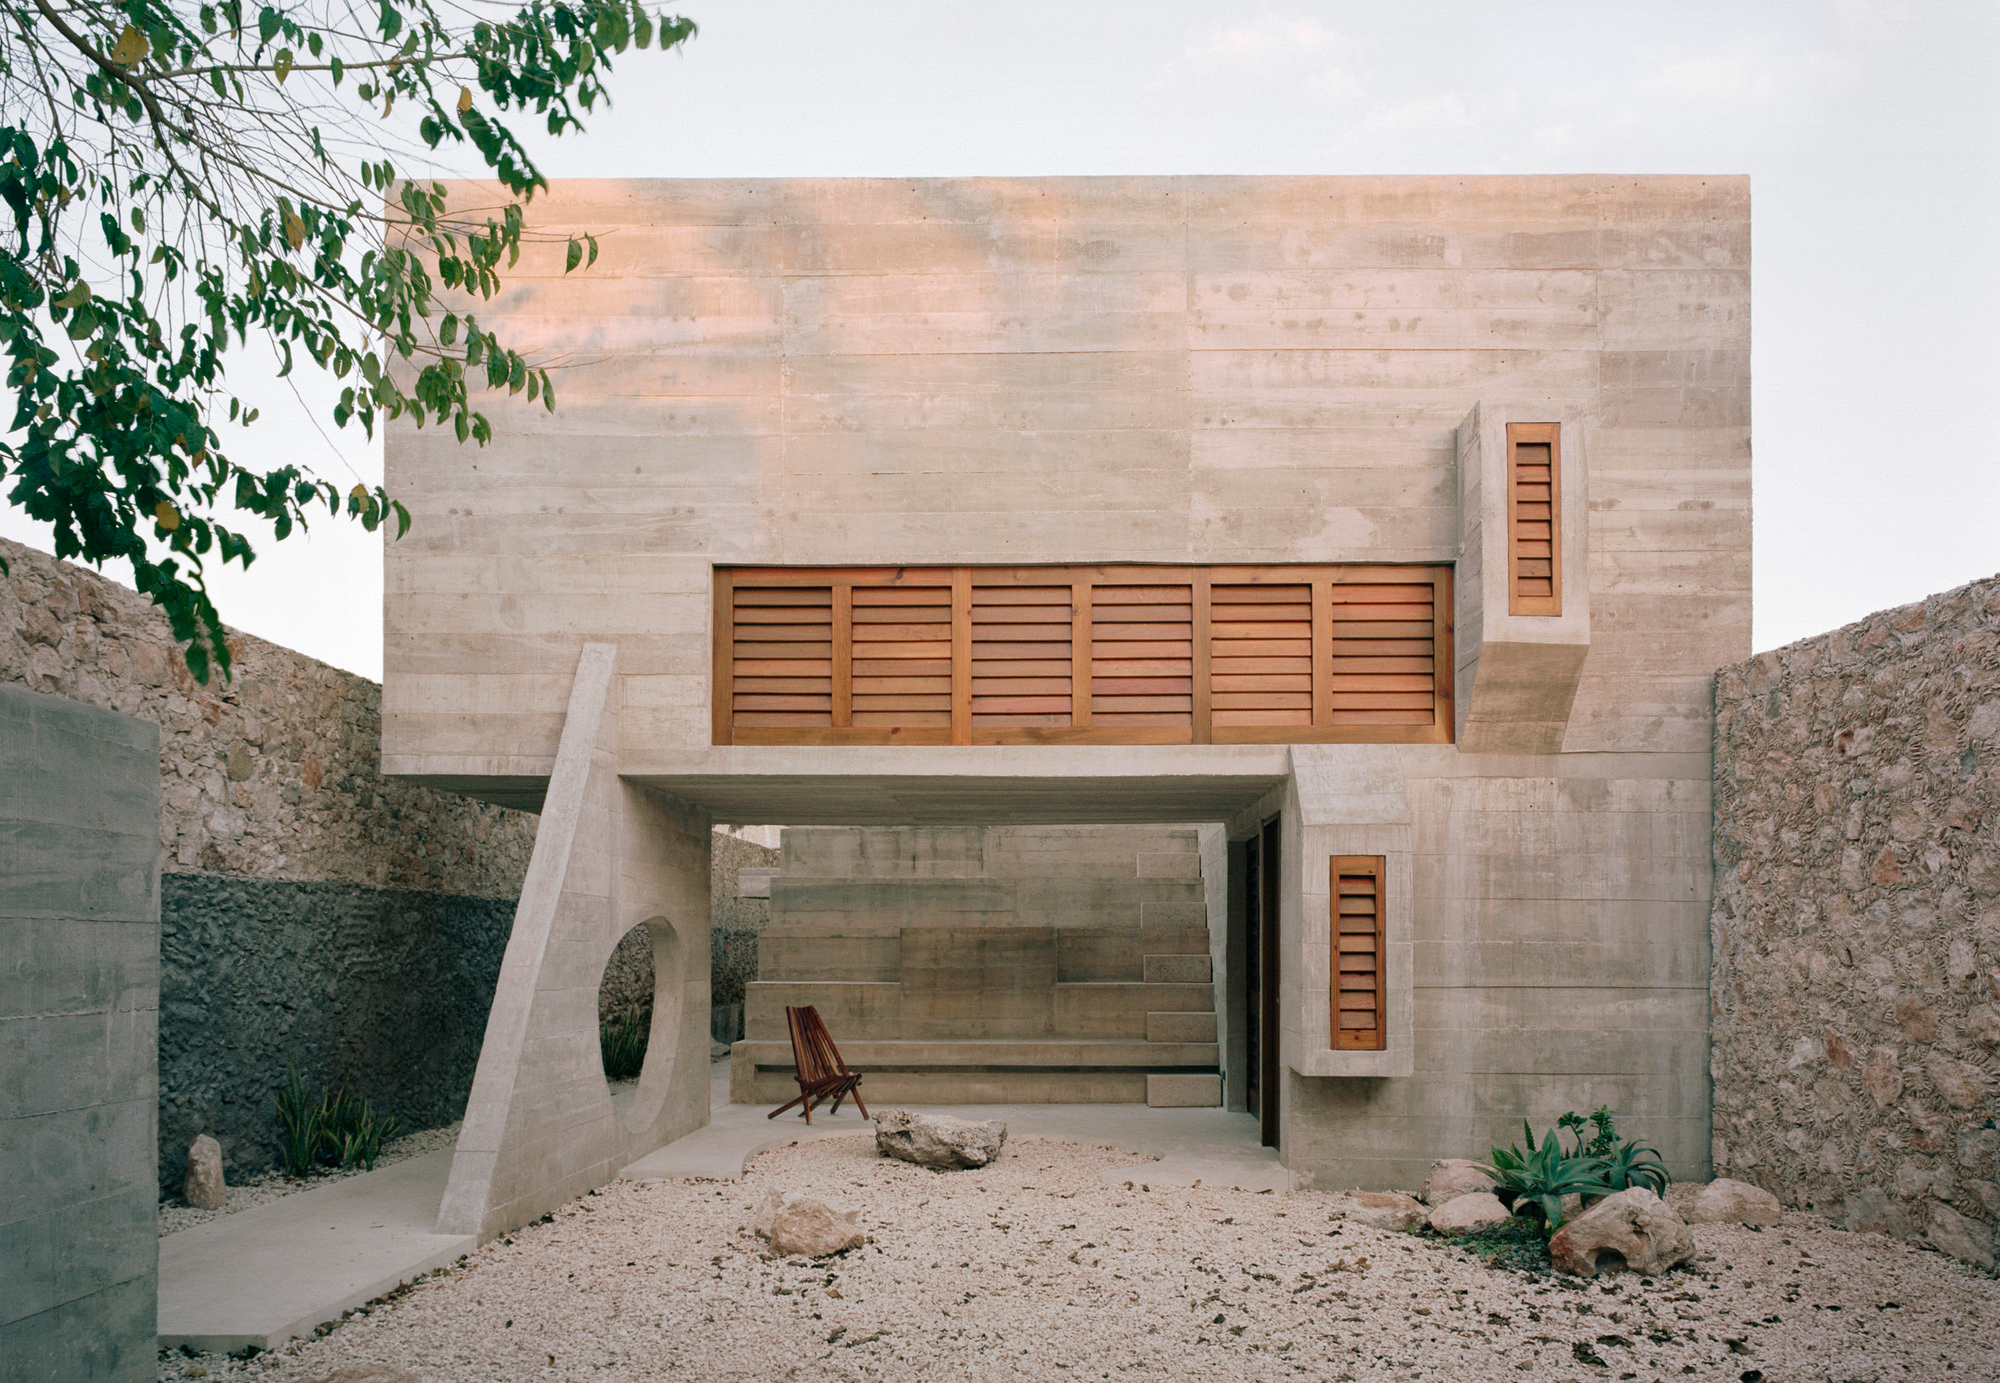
(1870, 130)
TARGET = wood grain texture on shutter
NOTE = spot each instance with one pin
(1083, 655)
(1023, 662)
(1261, 654)
(1359, 969)
(1534, 519)
(781, 655)
(1142, 655)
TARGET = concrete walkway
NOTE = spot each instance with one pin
(1210, 1146)
(274, 1272)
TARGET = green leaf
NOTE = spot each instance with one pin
(78, 295)
(574, 257)
(282, 65)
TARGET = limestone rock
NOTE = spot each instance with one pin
(1461, 1213)
(204, 1188)
(810, 1228)
(938, 1140)
(1452, 1177)
(1635, 1227)
(1966, 1240)
(1726, 1202)
(1383, 1209)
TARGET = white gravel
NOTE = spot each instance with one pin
(1032, 1269)
(176, 1214)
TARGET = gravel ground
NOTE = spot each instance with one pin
(1031, 1268)
(176, 1214)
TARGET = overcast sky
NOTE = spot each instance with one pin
(1871, 133)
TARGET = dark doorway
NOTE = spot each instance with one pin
(1253, 911)
(1265, 1062)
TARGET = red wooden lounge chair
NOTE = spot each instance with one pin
(821, 1071)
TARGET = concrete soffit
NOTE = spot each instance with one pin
(1517, 675)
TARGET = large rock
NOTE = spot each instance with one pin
(938, 1140)
(1964, 1239)
(1383, 1209)
(1452, 1177)
(1461, 1213)
(204, 1188)
(1636, 1227)
(1726, 1202)
(796, 1223)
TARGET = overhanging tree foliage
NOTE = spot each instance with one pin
(179, 174)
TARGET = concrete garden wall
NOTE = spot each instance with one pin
(79, 1002)
(1856, 926)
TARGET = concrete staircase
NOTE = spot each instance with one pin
(1117, 1009)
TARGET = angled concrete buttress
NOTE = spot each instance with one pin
(539, 1127)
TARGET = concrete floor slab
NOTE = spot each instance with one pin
(275, 1272)
(1211, 1146)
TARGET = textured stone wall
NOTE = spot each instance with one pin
(735, 923)
(313, 912)
(273, 775)
(386, 989)
(1856, 924)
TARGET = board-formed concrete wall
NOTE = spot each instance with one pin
(1181, 370)
(1856, 928)
(79, 997)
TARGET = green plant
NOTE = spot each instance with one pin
(300, 1126)
(1536, 1181)
(1630, 1164)
(622, 1041)
(362, 1137)
(333, 1129)
(182, 177)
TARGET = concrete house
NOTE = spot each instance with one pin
(1374, 539)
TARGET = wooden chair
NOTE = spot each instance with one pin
(821, 1071)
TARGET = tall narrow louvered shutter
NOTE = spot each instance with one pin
(1534, 519)
(902, 656)
(1022, 659)
(1360, 995)
(782, 652)
(1260, 669)
(1142, 655)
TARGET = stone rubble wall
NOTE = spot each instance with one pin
(1856, 923)
(273, 775)
(313, 913)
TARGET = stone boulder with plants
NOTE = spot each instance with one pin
(1577, 1163)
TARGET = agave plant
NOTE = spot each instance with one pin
(1539, 1178)
(1630, 1164)
(300, 1126)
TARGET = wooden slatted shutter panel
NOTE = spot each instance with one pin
(1021, 655)
(1534, 519)
(1382, 653)
(781, 649)
(1142, 655)
(902, 655)
(1261, 665)
(1360, 990)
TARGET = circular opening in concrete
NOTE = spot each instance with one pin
(625, 999)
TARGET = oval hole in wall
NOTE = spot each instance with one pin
(625, 999)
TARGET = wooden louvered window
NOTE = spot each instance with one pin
(1360, 981)
(1534, 519)
(1083, 655)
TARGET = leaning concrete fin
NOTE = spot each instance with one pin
(468, 1195)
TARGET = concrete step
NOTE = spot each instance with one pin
(1054, 1072)
(1119, 1010)
(1099, 955)
(1177, 969)
(1180, 1027)
(1184, 1090)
